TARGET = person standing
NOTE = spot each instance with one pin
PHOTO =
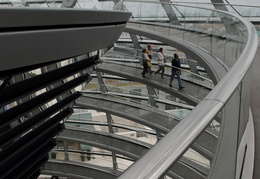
(176, 71)
(161, 61)
(144, 61)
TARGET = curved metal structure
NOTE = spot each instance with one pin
(161, 122)
(50, 70)
(211, 64)
(130, 148)
(70, 169)
(48, 33)
(133, 72)
(175, 143)
(45, 62)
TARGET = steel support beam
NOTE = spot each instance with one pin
(170, 12)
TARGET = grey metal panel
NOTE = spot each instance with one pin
(123, 145)
(186, 171)
(152, 132)
(69, 3)
(84, 170)
(49, 45)
(101, 82)
(54, 34)
(78, 170)
(219, 4)
(152, 96)
(120, 49)
(193, 66)
(164, 101)
(174, 175)
(22, 17)
(196, 165)
(168, 8)
(135, 41)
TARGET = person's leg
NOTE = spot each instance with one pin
(172, 77)
(163, 69)
(149, 70)
(143, 72)
(160, 68)
(179, 79)
(145, 69)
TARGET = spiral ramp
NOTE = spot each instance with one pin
(156, 119)
(125, 126)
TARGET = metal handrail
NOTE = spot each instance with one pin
(191, 73)
(156, 162)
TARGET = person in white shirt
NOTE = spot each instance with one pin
(161, 61)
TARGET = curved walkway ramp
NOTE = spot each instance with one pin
(120, 126)
(144, 96)
(187, 74)
(127, 147)
(190, 95)
(214, 67)
(78, 170)
(228, 100)
(122, 145)
(162, 122)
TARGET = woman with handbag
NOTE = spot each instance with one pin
(144, 61)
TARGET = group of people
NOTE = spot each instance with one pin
(146, 61)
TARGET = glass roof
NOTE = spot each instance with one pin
(246, 8)
(241, 2)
